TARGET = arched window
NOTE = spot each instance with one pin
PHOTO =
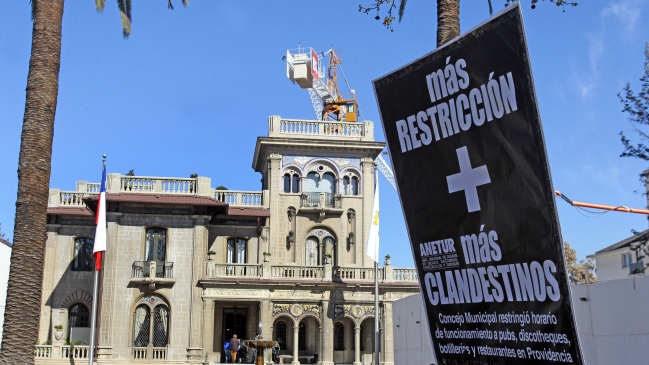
(312, 250)
(146, 331)
(141, 324)
(328, 249)
(315, 183)
(280, 334)
(236, 251)
(301, 337)
(291, 183)
(318, 247)
(156, 244)
(346, 186)
(78, 316)
(354, 190)
(83, 260)
(339, 336)
(160, 326)
(287, 183)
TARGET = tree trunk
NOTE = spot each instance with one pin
(23, 307)
(448, 20)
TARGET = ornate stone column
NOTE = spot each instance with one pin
(327, 353)
(296, 334)
(357, 345)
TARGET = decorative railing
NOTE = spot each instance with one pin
(404, 274)
(297, 272)
(139, 353)
(320, 200)
(343, 129)
(159, 353)
(72, 198)
(327, 129)
(93, 188)
(43, 352)
(142, 269)
(237, 197)
(357, 273)
(75, 352)
(144, 184)
(143, 353)
(239, 270)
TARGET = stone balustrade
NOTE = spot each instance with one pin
(59, 351)
(357, 273)
(404, 274)
(118, 183)
(318, 272)
(239, 197)
(294, 128)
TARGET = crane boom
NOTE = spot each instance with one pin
(386, 171)
(305, 67)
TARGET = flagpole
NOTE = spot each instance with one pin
(376, 290)
(376, 310)
(95, 291)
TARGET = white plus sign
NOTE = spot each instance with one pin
(468, 180)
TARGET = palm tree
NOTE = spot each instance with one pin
(34, 166)
(23, 306)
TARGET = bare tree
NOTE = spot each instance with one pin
(582, 272)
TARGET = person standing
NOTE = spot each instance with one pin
(234, 347)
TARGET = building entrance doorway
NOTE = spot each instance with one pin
(234, 322)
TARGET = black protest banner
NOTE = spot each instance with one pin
(467, 148)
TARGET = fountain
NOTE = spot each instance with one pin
(260, 344)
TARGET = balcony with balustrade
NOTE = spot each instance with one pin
(320, 129)
(153, 273)
(123, 184)
(266, 272)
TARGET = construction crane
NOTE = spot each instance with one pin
(306, 67)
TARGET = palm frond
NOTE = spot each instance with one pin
(99, 5)
(33, 4)
(491, 9)
(402, 7)
(185, 3)
(125, 14)
(170, 5)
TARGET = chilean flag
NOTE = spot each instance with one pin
(100, 220)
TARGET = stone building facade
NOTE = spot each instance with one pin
(188, 266)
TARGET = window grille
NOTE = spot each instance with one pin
(141, 326)
(156, 244)
(160, 326)
(311, 251)
(83, 260)
(78, 316)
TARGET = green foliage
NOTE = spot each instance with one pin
(124, 12)
(266, 253)
(636, 106)
(193, 176)
(220, 187)
(387, 256)
(131, 172)
(581, 272)
(58, 327)
(392, 6)
(210, 252)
